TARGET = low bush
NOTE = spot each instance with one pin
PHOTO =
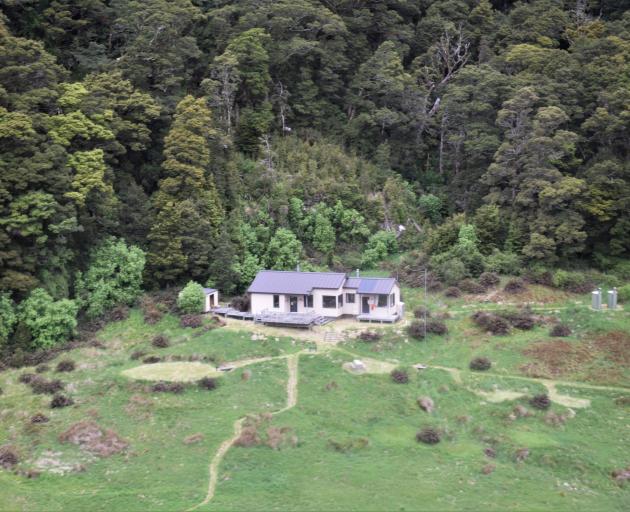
(26, 378)
(560, 331)
(515, 286)
(452, 292)
(168, 387)
(39, 418)
(480, 364)
(489, 279)
(42, 386)
(152, 313)
(399, 375)
(541, 402)
(370, 336)
(491, 322)
(422, 312)
(160, 341)
(428, 435)
(507, 263)
(137, 354)
(539, 274)
(191, 299)
(471, 286)
(8, 457)
(152, 360)
(118, 314)
(623, 294)
(207, 383)
(416, 330)
(42, 368)
(192, 321)
(437, 327)
(67, 365)
(520, 319)
(571, 281)
(240, 303)
(58, 401)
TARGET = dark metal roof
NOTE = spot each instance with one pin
(208, 291)
(376, 285)
(352, 282)
(278, 281)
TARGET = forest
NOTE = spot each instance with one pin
(148, 143)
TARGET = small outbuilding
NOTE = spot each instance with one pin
(211, 299)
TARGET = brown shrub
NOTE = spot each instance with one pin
(522, 320)
(491, 322)
(39, 418)
(399, 375)
(137, 354)
(521, 454)
(42, 386)
(488, 468)
(428, 435)
(8, 457)
(422, 312)
(67, 365)
(489, 279)
(621, 475)
(280, 437)
(160, 341)
(118, 314)
(193, 438)
(192, 321)
(471, 286)
(622, 401)
(248, 437)
(560, 331)
(541, 402)
(490, 452)
(416, 330)
(437, 327)
(426, 404)
(42, 368)
(59, 401)
(168, 387)
(152, 360)
(453, 292)
(614, 345)
(370, 336)
(90, 437)
(208, 383)
(515, 286)
(246, 375)
(349, 445)
(480, 364)
(152, 313)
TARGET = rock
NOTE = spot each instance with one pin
(426, 404)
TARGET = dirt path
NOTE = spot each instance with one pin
(292, 395)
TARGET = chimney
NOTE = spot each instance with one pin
(297, 268)
(358, 273)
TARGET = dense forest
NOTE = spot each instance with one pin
(146, 143)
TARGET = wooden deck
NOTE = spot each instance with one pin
(232, 313)
(388, 319)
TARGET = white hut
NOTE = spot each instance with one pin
(212, 299)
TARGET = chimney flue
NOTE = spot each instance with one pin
(358, 273)
(297, 268)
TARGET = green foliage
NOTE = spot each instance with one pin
(50, 322)
(191, 298)
(462, 260)
(379, 246)
(431, 206)
(8, 318)
(623, 294)
(504, 262)
(568, 280)
(113, 277)
(284, 250)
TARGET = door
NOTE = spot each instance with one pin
(365, 305)
(293, 304)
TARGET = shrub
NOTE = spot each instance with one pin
(67, 365)
(491, 322)
(370, 336)
(8, 457)
(39, 418)
(168, 387)
(26, 378)
(428, 435)
(208, 383)
(480, 364)
(539, 274)
(623, 293)
(515, 286)
(450, 269)
(42, 386)
(152, 313)
(422, 312)
(560, 331)
(489, 279)
(399, 375)
(437, 327)
(119, 313)
(191, 299)
(541, 402)
(572, 281)
(42, 368)
(137, 355)
(471, 286)
(453, 292)
(8, 318)
(160, 341)
(416, 330)
(151, 360)
(519, 319)
(507, 263)
(58, 401)
(192, 321)
(240, 303)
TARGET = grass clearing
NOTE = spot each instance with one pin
(172, 372)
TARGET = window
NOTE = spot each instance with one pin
(350, 298)
(382, 301)
(340, 300)
(392, 299)
(276, 301)
(329, 301)
(308, 301)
